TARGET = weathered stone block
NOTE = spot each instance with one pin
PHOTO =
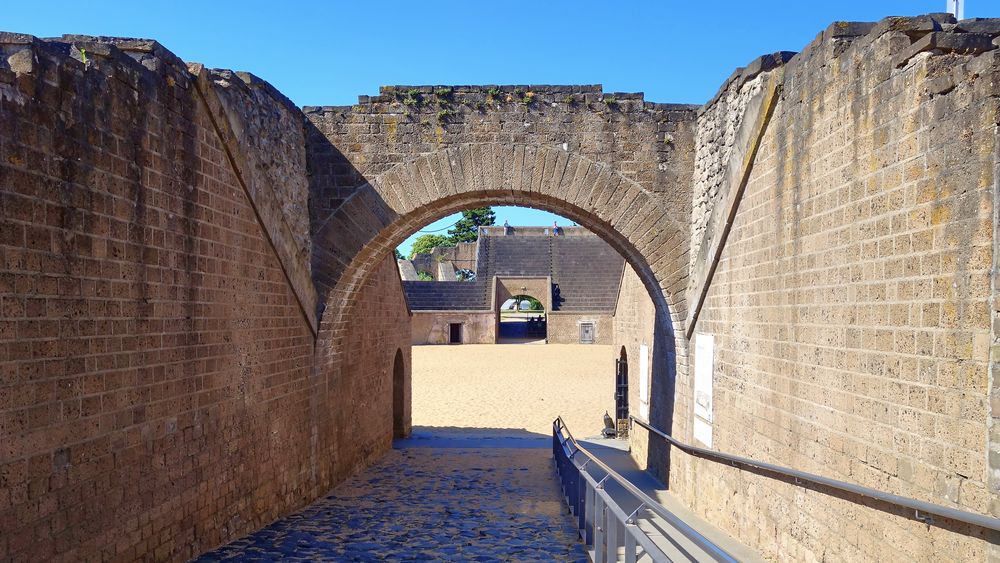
(842, 29)
(22, 62)
(987, 26)
(960, 43)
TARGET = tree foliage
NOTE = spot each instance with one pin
(466, 229)
(424, 276)
(533, 304)
(425, 243)
(399, 255)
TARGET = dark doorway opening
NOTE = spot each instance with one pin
(455, 333)
(621, 393)
(398, 396)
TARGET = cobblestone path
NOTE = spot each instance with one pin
(428, 504)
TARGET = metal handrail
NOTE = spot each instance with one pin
(921, 508)
(569, 447)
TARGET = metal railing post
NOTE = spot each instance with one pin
(581, 495)
(611, 536)
(573, 487)
(590, 515)
(630, 555)
(600, 526)
(604, 526)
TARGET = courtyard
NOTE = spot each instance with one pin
(503, 390)
(475, 481)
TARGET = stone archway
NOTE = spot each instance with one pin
(353, 240)
(515, 324)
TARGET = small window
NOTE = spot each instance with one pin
(455, 330)
(587, 333)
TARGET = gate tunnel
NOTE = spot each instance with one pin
(355, 239)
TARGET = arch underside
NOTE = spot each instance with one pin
(354, 239)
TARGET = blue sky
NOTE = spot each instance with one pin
(327, 53)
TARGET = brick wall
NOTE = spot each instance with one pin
(851, 306)
(157, 386)
(358, 419)
(263, 136)
(163, 388)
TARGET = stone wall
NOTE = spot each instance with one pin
(271, 133)
(506, 287)
(357, 427)
(433, 327)
(632, 330)
(167, 381)
(718, 123)
(649, 143)
(462, 256)
(564, 328)
(158, 393)
(406, 271)
(263, 137)
(381, 170)
(851, 306)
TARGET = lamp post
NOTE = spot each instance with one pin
(957, 8)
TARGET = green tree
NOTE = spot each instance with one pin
(425, 243)
(424, 276)
(466, 229)
(533, 304)
(399, 255)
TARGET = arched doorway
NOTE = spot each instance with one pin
(649, 232)
(398, 396)
(621, 393)
(521, 320)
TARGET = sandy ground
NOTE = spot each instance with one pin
(519, 388)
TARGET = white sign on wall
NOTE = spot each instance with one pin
(644, 382)
(704, 364)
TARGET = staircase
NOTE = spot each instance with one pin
(446, 296)
(588, 272)
(585, 268)
(520, 256)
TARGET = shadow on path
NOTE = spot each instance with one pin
(445, 494)
(463, 437)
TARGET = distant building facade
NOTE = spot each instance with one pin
(573, 273)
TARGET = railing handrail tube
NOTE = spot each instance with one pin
(652, 504)
(918, 505)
